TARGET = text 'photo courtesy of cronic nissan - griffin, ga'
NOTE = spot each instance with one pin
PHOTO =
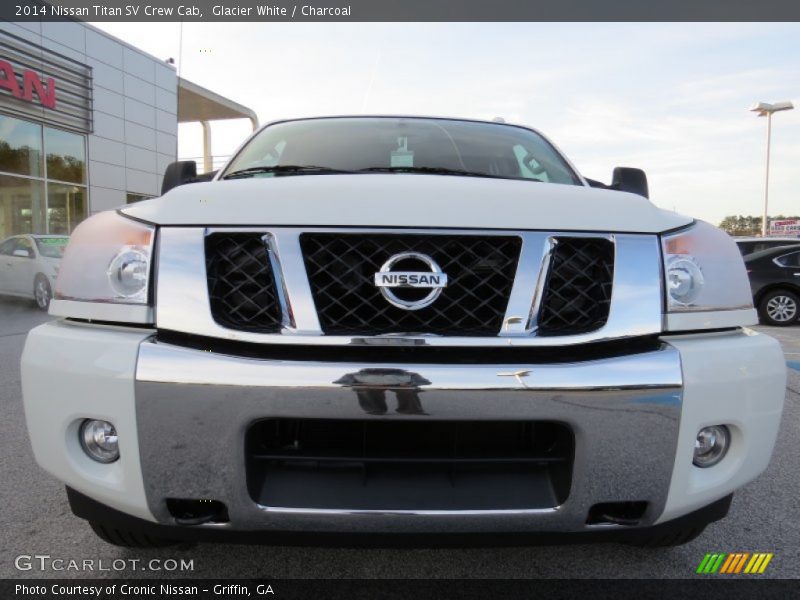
(398, 324)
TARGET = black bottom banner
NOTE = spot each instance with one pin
(407, 589)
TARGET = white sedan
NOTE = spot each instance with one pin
(29, 266)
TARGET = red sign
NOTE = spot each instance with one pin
(784, 227)
(30, 83)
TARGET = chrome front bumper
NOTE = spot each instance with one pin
(193, 409)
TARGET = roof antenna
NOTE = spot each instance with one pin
(498, 120)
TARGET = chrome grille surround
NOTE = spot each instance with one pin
(183, 305)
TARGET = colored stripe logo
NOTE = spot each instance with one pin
(734, 563)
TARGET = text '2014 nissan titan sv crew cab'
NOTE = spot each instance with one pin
(401, 325)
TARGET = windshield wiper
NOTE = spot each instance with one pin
(436, 171)
(311, 169)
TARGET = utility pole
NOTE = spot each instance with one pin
(765, 109)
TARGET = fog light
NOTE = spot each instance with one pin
(711, 445)
(99, 440)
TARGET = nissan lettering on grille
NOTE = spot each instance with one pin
(388, 280)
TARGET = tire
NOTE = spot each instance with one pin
(675, 537)
(779, 308)
(42, 293)
(126, 538)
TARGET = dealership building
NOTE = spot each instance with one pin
(88, 123)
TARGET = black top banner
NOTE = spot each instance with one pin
(401, 10)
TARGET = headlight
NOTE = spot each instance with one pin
(704, 271)
(128, 273)
(107, 262)
(684, 279)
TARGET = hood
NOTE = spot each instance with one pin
(405, 200)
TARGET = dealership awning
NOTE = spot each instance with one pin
(198, 104)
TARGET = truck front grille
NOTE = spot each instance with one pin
(241, 286)
(341, 269)
(244, 296)
(577, 296)
(408, 465)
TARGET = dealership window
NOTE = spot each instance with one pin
(42, 178)
(132, 197)
(65, 204)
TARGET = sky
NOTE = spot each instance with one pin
(670, 98)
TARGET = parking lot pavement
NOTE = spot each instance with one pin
(790, 340)
(764, 517)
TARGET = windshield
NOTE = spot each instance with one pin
(387, 144)
(52, 247)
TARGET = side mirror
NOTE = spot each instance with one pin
(178, 173)
(626, 179)
(22, 253)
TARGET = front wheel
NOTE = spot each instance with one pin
(42, 292)
(779, 308)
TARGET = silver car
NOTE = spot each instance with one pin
(29, 266)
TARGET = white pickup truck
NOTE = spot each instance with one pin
(401, 325)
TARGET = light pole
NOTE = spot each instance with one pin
(765, 109)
